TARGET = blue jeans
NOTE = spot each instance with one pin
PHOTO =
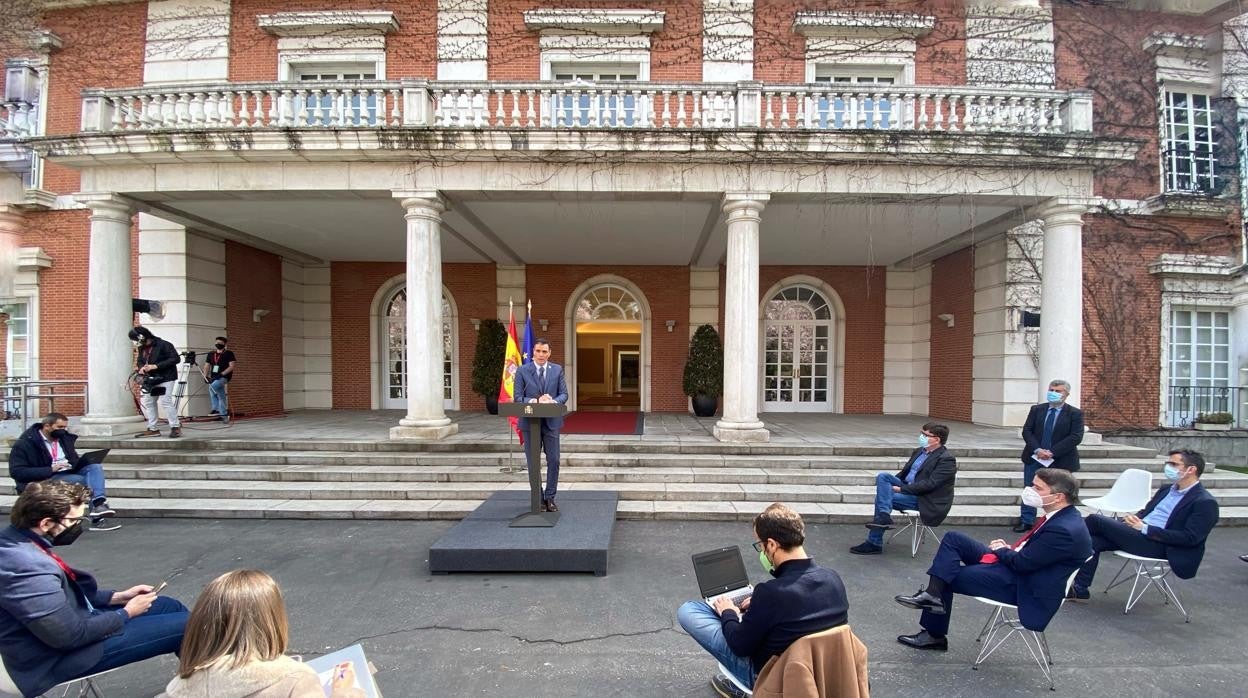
(91, 475)
(886, 500)
(703, 625)
(217, 394)
(157, 632)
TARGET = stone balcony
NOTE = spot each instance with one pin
(834, 121)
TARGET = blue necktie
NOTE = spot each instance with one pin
(1046, 440)
(541, 377)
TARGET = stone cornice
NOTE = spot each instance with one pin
(32, 259)
(1194, 265)
(880, 25)
(327, 22)
(1186, 205)
(1177, 45)
(594, 20)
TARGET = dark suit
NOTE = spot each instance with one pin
(1181, 542)
(933, 486)
(1033, 579)
(1066, 437)
(527, 386)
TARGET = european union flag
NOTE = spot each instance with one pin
(526, 346)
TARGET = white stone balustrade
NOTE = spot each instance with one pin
(562, 105)
(18, 119)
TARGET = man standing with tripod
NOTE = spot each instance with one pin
(157, 363)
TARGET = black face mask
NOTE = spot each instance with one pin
(59, 433)
(70, 534)
(219, 346)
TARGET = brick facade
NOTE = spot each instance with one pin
(950, 375)
(253, 279)
(354, 285)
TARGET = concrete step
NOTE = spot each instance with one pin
(1009, 477)
(590, 444)
(845, 513)
(121, 457)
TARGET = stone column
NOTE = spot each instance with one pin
(425, 418)
(12, 224)
(110, 356)
(740, 416)
(1061, 297)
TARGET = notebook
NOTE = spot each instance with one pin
(324, 666)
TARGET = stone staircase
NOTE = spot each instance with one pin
(656, 480)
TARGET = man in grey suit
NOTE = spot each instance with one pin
(543, 381)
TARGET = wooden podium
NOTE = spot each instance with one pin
(535, 412)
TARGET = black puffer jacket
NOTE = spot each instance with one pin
(29, 460)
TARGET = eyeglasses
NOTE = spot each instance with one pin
(758, 545)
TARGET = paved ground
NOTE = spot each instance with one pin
(577, 635)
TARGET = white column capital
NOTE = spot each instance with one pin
(1063, 210)
(745, 203)
(106, 205)
(424, 202)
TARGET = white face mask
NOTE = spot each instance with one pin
(1032, 498)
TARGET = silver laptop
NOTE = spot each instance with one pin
(721, 572)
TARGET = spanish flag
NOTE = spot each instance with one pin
(511, 364)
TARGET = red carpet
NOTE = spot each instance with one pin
(603, 423)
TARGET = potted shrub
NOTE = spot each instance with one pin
(704, 371)
(487, 363)
(1214, 421)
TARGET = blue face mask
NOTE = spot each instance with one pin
(923, 438)
(1172, 473)
(1053, 396)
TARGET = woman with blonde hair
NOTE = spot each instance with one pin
(235, 644)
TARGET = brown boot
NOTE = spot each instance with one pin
(146, 433)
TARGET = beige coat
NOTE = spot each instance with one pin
(281, 678)
(829, 664)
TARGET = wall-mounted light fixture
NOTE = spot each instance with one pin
(257, 313)
(671, 325)
(543, 324)
(476, 323)
(947, 318)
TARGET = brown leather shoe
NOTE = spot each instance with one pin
(551, 506)
(545, 505)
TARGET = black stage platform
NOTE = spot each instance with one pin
(484, 541)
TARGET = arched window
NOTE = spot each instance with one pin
(608, 302)
(797, 303)
(395, 333)
(798, 349)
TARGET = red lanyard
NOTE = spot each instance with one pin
(56, 450)
(59, 562)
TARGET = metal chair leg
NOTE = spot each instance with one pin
(1115, 581)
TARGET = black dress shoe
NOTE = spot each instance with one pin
(881, 520)
(545, 505)
(1244, 558)
(551, 506)
(922, 601)
(1021, 527)
(924, 641)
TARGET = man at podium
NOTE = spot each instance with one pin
(543, 381)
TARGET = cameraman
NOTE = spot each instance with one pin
(219, 370)
(157, 363)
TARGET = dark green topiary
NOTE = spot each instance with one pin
(704, 369)
(487, 365)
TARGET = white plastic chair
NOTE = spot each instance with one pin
(1130, 493)
(1005, 617)
(921, 531)
(1154, 570)
(86, 685)
(724, 670)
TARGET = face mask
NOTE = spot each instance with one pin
(1032, 498)
(923, 440)
(70, 534)
(58, 433)
(1053, 396)
(219, 346)
(767, 566)
(1172, 473)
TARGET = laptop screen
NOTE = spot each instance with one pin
(720, 570)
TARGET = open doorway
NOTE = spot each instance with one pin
(608, 350)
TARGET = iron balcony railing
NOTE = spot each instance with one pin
(581, 105)
(1186, 404)
(18, 397)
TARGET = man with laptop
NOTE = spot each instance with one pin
(45, 451)
(743, 626)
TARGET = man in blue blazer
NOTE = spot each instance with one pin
(1053, 430)
(1031, 573)
(543, 381)
(56, 622)
(1172, 527)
